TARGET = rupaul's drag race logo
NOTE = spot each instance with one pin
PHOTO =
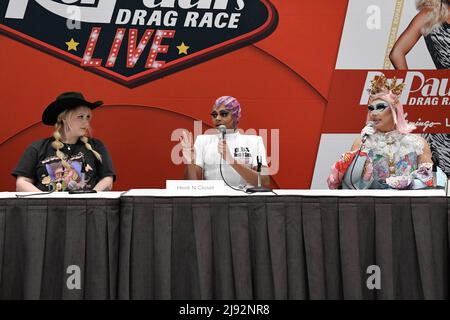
(420, 89)
(426, 98)
(136, 41)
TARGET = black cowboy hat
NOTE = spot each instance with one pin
(63, 102)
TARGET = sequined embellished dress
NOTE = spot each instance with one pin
(393, 153)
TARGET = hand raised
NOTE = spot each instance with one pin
(188, 148)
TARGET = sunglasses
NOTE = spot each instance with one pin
(223, 114)
(378, 107)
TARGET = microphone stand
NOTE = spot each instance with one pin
(434, 170)
(435, 159)
(258, 188)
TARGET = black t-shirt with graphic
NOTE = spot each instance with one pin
(40, 163)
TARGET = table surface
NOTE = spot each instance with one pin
(57, 195)
(232, 193)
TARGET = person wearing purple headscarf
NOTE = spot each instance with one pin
(237, 154)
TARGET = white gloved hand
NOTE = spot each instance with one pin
(367, 130)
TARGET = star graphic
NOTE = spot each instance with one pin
(72, 45)
(182, 48)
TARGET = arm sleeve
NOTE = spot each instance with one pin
(418, 179)
(106, 168)
(26, 167)
(341, 176)
(199, 147)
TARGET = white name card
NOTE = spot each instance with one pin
(195, 187)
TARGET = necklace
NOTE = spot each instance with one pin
(386, 143)
(390, 140)
(391, 161)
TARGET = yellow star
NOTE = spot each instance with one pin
(72, 45)
(182, 48)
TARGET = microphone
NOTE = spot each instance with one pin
(223, 130)
(435, 159)
(366, 135)
(363, 140)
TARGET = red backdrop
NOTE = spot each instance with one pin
(282, 83)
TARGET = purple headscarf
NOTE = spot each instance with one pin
(230, 103)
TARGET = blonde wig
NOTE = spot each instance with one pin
(437, 15)
(58, 145)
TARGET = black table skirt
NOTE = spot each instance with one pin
(287, 247)
(41, 238)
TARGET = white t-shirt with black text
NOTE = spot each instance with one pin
(244, 148)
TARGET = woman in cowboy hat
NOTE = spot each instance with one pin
(69, 160)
